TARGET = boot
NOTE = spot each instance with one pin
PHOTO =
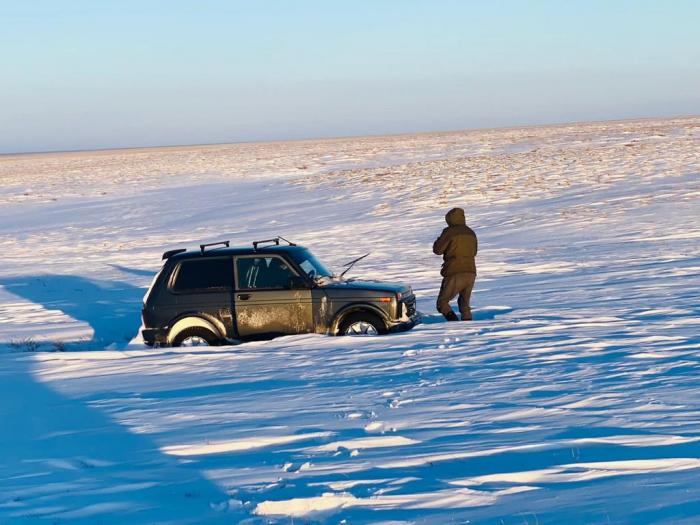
(451, 316)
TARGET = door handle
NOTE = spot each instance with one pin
(243, 296)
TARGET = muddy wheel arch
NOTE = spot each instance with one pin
(192, 320)
(357, 308)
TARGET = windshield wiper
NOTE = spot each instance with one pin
(352, 263)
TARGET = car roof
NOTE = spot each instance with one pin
(236, 250)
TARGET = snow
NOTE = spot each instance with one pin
(239, 444)
(586, 471)
(364, 443)
(327, 503)
(571, 398)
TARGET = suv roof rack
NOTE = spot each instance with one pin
(202, 246)
(276, 240)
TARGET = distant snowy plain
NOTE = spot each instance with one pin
(572, 398)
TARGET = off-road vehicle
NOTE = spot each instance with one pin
(220, 294)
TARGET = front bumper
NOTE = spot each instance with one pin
(405, 323)
(154, 336)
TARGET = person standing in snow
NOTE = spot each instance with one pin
(458, 246)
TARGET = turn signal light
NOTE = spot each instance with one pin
(385, 299)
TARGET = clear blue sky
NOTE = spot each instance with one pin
(97, 73)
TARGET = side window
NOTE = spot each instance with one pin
(263, 273)
(206, 274)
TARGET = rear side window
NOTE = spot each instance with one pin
(205, 274)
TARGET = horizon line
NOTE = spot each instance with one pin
(337, 137)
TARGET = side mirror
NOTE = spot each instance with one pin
(296, 282)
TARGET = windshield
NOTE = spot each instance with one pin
(312, 267)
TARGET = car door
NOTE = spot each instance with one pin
(203, 287)
(270, 298)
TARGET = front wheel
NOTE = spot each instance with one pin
(362, 324)
(195, 336)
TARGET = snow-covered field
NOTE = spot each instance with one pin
(572, 398)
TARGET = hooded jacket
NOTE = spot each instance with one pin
(457, 244)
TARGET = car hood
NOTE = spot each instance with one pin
(379, 286)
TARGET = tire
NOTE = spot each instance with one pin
(196, 335)
(363, 324)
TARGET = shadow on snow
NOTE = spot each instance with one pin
(111, 308)
(61, 460)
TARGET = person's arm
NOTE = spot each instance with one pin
(476, 240)
(440, 244)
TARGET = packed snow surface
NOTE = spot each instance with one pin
(572, 398)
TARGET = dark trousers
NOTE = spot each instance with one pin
(458, 284)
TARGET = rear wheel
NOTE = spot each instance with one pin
(195, 336)
(362, 324)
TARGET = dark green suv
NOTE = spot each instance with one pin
(220, 294)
